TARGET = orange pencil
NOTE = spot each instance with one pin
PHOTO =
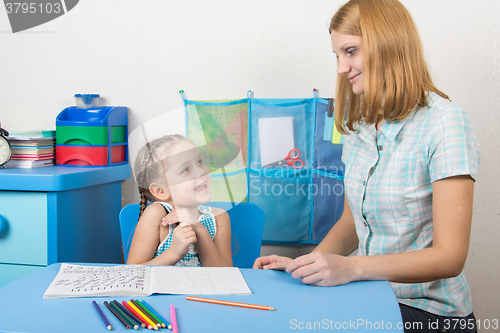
(216, 301)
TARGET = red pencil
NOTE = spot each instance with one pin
(144, 322)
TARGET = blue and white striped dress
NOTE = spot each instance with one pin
(206, 218)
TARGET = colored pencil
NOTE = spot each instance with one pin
(173, 318)
(140, 307)
(99, 312)
(125, 316)
(151, 325)
(148, 322)
(144, 322)
(216, 301)
(163, 321)
(117, 315)
(130, 314)
(151, 315)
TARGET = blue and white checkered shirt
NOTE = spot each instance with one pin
(388, 184)
(206, 218)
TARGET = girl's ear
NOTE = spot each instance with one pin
(161, 193)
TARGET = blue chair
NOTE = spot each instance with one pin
(247, 225)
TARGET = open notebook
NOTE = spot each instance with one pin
(138, 280)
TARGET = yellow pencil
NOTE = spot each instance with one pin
(151, 324)
(217, 301)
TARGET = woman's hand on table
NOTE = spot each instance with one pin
(322, 269)
(271, 262)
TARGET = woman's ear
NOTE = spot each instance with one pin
(161, 193)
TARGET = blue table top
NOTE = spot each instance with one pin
(60, 178)
(360, 306)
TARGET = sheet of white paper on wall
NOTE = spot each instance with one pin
(276, 139)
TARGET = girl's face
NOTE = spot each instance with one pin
(188, 179)
(350, 58)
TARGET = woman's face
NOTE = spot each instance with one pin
(350, 58)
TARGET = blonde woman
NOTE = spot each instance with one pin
(411, 160)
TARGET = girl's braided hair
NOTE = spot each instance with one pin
(150, 171)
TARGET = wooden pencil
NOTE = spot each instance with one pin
(151, 315)
(152, 325)
(140, 306)
(163, 321)
(103, 318)
(130, 314)
(216, 301)
(120, 319)
(144, 322)
(125, 316)
(173, 318)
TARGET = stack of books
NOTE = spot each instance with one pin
(32, 149)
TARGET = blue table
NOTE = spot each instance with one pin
(57, 214)
(360, 306)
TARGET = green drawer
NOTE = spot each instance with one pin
(89, 135)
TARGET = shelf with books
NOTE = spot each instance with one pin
(32, 149)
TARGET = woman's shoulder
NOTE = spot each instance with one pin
(443, 108)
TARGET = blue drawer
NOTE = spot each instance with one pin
(24, 236)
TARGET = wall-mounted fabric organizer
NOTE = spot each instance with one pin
(301, 204)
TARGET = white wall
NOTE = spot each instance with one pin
(140, 53)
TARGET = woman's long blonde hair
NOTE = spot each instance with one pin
(396, 75)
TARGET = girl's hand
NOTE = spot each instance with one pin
(322, 269)
(183, 236)
(271, 262)
(180, 215)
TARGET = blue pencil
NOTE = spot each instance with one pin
(106, 322)
(156, 314)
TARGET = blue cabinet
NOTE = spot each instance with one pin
(59, 214)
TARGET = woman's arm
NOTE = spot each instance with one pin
(216, 252)
(147, 238)
(452, 217)
(341, 239)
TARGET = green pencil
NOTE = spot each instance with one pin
(124, 315)
(117, 315)
(147, 311)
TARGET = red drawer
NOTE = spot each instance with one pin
(88, 155)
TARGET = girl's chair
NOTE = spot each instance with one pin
(247, 225)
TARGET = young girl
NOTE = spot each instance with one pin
(411, 159)
(177, 229)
